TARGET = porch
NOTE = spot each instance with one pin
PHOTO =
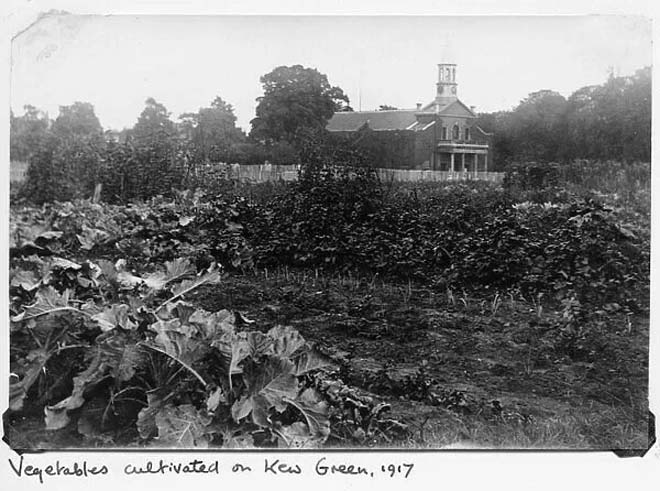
(460, 158)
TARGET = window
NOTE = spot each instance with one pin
(456, 134)
(467, 134)
(444, 132)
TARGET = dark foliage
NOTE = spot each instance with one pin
(295, 99)
(457, 237)
(26, 132)
(611, 121)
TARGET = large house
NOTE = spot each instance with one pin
(443, 134)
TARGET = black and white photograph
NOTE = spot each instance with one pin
(312, 232)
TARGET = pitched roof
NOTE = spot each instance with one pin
(399, 119)
(449, 108)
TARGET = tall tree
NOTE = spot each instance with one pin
(154, 123)
(607, 121)
(65, 164)
(77, 120)
(26, 132)
(296, 100)
(637, 129)
(157, 157)
(211, 131)
(581, 121)
(538, 126)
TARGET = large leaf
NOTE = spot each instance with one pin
(116, 355)
(61, 263)
(33, 235)
(123, 355)
(47, 301)
(310, 360)
(315, 411)
(180, 343)
(180, 310)
(286, 341)
(213, 325)
(259, 343)
(297, 435)
(92, 420)
(146, 421)
(108, 270)
(215, 397)
(88, 276)
(182, 427)
(233, 349)
(236, 439)
(119, 273)
(269, 385)
(174, 270)
(115, 316)
(25, 279)
(187, 286)
(128, 280)
(91, 237)
(37, 360)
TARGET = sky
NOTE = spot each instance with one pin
(117, 62)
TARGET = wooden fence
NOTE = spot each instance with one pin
(272, 172)
(408, 175)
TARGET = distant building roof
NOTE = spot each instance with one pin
(399, 119)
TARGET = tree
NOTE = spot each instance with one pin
(65, 160)
(154, 123)
(158, 162)
(385, 107)
(296, 99)
(538, 126)
(637, 122)
(611, 121)
(581, 123)
(26, 132)
(77, 120)
(211, 132)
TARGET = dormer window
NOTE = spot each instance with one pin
(456, 133)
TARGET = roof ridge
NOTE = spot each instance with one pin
(377, 111)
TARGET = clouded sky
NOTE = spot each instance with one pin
(116, 62)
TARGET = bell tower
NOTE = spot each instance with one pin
(446, 86)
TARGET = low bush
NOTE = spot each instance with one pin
(460, 236)
(456, 235)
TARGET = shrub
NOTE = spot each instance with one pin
(469, 238)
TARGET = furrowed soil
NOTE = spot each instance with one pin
(486, 372)
(457, 371)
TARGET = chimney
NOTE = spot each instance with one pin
(419, 106)
(473, 109)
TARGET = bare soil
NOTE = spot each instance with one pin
(464, 368)
(454, 369)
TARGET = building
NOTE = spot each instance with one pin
(442, 135)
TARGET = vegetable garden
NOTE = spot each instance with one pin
(332, 311)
